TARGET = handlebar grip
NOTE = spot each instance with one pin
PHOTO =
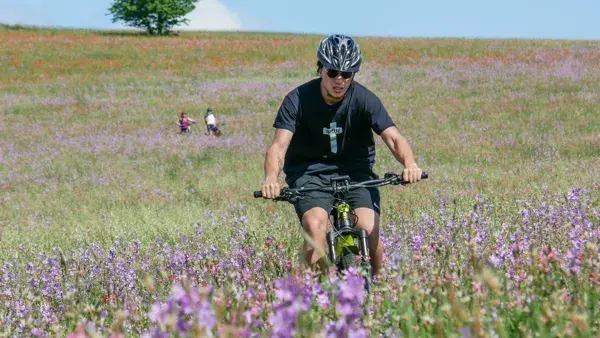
(258, 194)
(424, 175)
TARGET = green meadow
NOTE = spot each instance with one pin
(90, 155)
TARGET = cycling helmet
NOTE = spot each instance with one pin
(339, 52)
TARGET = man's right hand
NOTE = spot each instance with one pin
(271, 188)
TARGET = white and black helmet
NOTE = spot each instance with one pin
(339, 52)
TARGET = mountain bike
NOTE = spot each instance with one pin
(347, 245)
(217, 131)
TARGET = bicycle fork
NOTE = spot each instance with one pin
(363, 244)
(331, 246)
(345, 236)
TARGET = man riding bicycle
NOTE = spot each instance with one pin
(323, 129)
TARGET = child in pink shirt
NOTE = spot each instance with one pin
(185, 122)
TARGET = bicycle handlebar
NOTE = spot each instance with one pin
(389, 178)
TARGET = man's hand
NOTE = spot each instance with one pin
(411, 173)
(271, 188)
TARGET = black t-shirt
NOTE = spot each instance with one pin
(325, 139)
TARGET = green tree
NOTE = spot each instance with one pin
(155, 16)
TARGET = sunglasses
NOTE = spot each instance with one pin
(332, 73)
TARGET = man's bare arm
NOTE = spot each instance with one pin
(274, 161)
(403, 153)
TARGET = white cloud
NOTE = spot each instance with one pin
(212, 15)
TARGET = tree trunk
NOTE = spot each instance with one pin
(150, 29)
(160, 25)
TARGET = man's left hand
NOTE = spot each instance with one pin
(411, 173)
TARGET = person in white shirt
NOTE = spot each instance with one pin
(211, 122)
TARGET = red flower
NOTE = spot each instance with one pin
(109, 297)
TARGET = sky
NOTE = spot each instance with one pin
(554, 19)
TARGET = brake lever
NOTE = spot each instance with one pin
(394, 179)
(289, 196)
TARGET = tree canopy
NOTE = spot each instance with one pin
(155, 16)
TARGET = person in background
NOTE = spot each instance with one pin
(211, 123)
(184, 122)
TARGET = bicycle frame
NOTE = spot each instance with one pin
(344, 232)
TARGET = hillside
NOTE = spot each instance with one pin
(90, 153)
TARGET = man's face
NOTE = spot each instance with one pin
(336, 83)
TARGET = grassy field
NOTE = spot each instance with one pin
(105, 209)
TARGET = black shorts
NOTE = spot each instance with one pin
(359, 198)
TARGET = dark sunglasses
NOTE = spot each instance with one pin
(332, 73)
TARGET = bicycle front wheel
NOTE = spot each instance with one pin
(350, 259)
